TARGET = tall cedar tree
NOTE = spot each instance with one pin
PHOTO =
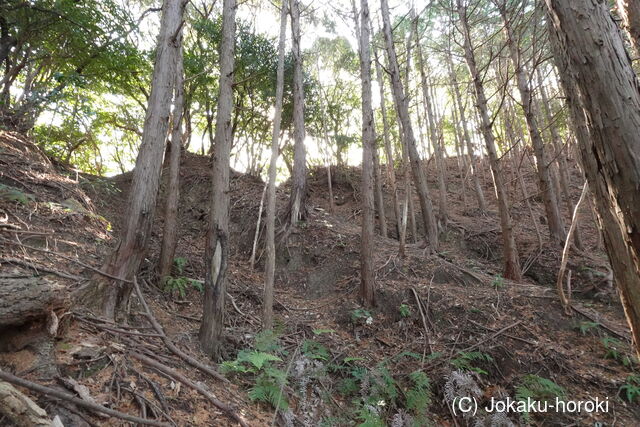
(217, 240)
(426, 206)
(270, 266)
(509, 250)
(367, 284)
(604, 95)
(110, 296)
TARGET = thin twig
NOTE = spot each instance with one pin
(170, 345)
(184, 380)
(51, 392)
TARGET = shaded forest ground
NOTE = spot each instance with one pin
(435, 313)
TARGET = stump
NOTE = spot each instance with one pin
(27, 305)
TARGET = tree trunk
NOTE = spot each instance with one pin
(297, 210)
(629, 11)
(391, 172)
(217, 240)
(419, 177)
(170, 230)
(509, 250)
(433, 132)
(549, 198)
(270, 266)
(382, 217)
(465, 135)
(106, 295)
(602, 90)
(561, 158)
(367, 284)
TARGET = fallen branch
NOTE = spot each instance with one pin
(424, 324)
(38, 269)
(513, 337)
(68, 258)
(184, 380)
(53, 393)
(170, 345)
(564, 299)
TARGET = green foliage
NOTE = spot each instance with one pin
(12, 194)
(181, 285)
(180, 263)
(586, 327)
(368, 417)
(537, 388)
(260, 364)
(464, 361)
(614, 350)
(377, 394)
(361, 315)
(419, 394)
(405, 310)
(631, 388)
(498, 281)
(315, 350)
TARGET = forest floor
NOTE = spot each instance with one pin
(451, 315)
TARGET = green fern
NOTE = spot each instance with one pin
(257, 358)
(631, 388)
(369, 418)
(315, 350)
(537, 388)
(180, 264)
(464, 361)
(419, 395)
(267, 390)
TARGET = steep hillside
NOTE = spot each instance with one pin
(443, 324)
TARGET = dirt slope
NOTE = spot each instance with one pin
(437, 314)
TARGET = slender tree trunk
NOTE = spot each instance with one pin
(629, 11)
(391, 172)
(603, 92)
(509, 249)
(462, 160)
(419, 177)
(561, 158)
(108, 296)
(550, 201)
(270, 266)
(465, 136)
(367, 281)
(433, 132)
(382, 217)
(217, 243)
(297, 210)
(170, 230)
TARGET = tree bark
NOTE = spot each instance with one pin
(391, 171)
(549, 198)
(433, 132)
(629, 11)
(297, 210)
(603, 92)
(217, 240)
(428, 217)
(170, 229)
(367, 283)
(106, 295)
(509, 250)
(561, 158)
(270, 246)
(377, 175)
(465, 136)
